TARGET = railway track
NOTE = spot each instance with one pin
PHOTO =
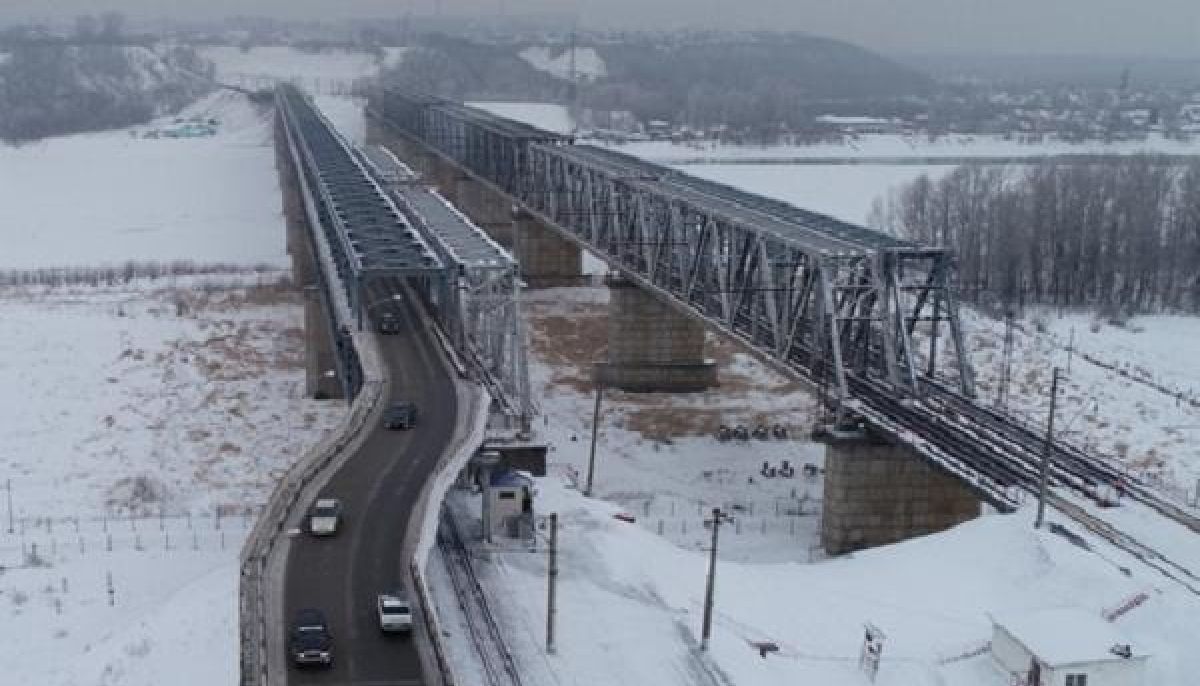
(498, 664)
(1011, 454)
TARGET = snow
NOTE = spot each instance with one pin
(847, 192)
(146, 420)
(111, 197)
(547, 116)
(867, 147)
(1127, 393)
(1088, 640)
(556, 61)
(630, 604)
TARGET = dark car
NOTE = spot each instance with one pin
(402, 415)
(389, 323)
(310, 642)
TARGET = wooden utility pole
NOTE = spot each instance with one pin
(591, 471)
(709, 590)
(1044, 477)
(552, 581)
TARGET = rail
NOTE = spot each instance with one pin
(498, 664)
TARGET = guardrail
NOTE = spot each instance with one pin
(260, 543)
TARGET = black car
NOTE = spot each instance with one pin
(402, 415)
(389, 323)
(310, 642)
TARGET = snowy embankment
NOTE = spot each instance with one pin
(624, 591)
(146, 420)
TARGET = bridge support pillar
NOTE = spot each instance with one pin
(652, 348)
(320, 366)
(876, 494)
(545, 257)
(488, 209)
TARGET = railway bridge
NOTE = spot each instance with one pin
(869, 320)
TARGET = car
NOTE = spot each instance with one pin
(395, 612)
(310, 641)
(401, 415)
(388, 323)
(324, 517)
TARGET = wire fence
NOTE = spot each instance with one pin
(43, 541)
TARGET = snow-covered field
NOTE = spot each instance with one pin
(114, 196)
(145, 420)
(1132, 392)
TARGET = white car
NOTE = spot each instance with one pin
(324, 517)
(395, 614)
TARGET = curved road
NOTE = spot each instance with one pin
(378, 486)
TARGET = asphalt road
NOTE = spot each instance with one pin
(379, 486)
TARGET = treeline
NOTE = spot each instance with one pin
(127, 272)
(461, 69)
(758, 82)
(1118, 237)
(49, 89)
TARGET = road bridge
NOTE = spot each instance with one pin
(371, 240)
(869, 320)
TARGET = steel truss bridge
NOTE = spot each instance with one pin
(387, 232)
(869, 319)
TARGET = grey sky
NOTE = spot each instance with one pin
(1130, 27)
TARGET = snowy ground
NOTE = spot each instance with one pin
(657, 454)
(1132, 393)
(114, 196)
(630, 605)
(145, 420)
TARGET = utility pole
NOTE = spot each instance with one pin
(706, 629)
(8, 488)
(552, 581)
(1044, 477)
(1002, 396)
(1070, 350)
(591, 472)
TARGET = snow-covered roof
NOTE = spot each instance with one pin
(1066, 636)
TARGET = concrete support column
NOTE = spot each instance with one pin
(651, 346)
(320, 367)
(876, 494)
(488, 209)
(545, 256)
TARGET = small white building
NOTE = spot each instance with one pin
(1065, 647)
(510, 503)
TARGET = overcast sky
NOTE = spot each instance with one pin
(1128, 27)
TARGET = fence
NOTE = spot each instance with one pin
(36, 540)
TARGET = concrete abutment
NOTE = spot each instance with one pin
(877, 493)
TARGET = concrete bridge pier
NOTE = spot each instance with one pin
(490, 210)
(652, 348)
(877, 493)
(320, 366)
(545, 257)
